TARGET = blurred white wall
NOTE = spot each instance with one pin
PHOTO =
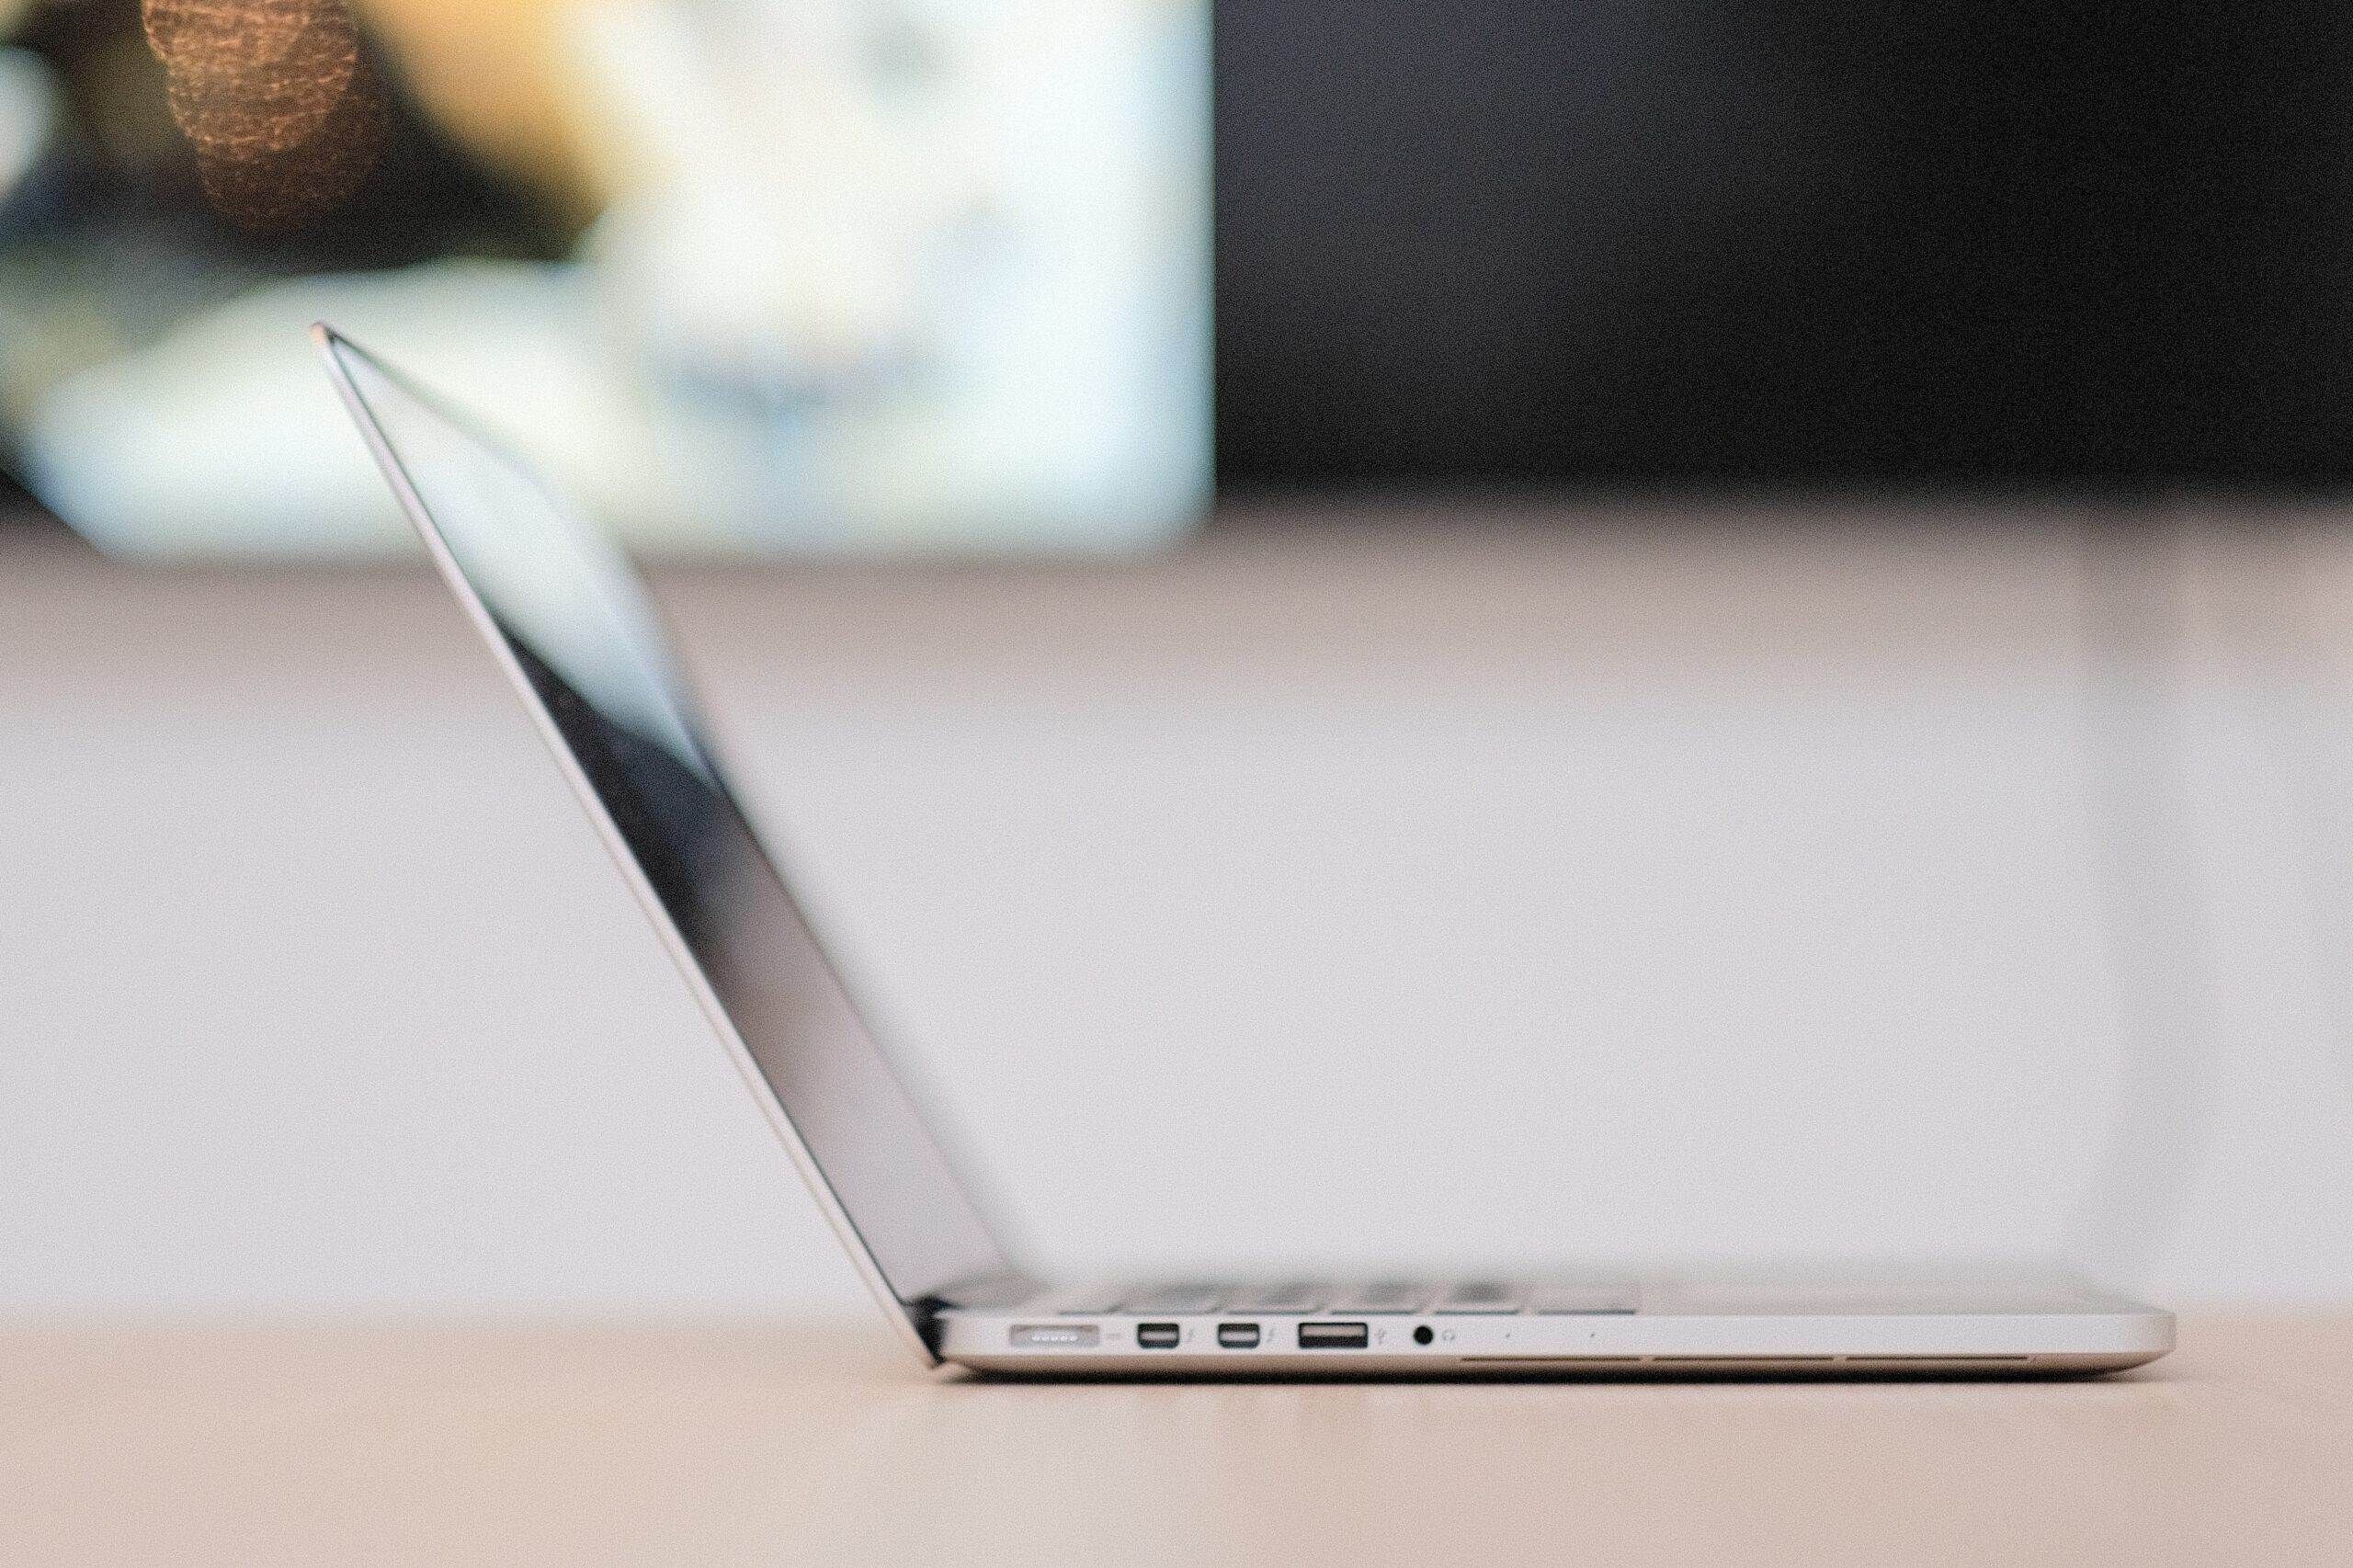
(1500, 892)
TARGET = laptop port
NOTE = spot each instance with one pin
(1158, 1336)
(1052, 1337)
(1238, 1335)
(1333, 1336)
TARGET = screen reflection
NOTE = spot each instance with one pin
(580, 630)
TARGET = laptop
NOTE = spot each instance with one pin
(569, 620)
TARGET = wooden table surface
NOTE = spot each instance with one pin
(820, 1443)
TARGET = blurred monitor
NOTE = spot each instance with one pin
(888, 275)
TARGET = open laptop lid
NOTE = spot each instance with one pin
(569, 621)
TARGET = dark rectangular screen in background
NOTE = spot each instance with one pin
(1635, 240)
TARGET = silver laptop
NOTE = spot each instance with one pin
(570, 622)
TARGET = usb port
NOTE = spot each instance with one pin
(1238, 1335)
(1156, 1336)
(1333, 1336)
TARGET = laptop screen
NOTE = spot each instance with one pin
(576, 620)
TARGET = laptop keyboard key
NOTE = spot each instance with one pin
(1383, 1296)
(1298, 1296)
(1564, 1299)
(1486, 1296)
(1176, 1299)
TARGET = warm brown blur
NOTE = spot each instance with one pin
(275, 97)
(498, 76)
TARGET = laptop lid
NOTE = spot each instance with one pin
(569, 621)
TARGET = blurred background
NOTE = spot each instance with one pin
(752, 276)
(1532, 630)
